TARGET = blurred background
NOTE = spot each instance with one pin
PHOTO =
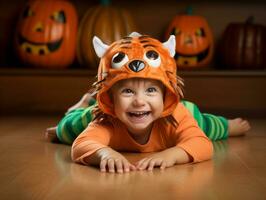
(47, 61)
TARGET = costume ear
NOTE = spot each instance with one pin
(99, 47)
(170, 45)
(134, 34)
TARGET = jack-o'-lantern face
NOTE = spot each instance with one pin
(36, 43)
(194, 41)
(47, 31)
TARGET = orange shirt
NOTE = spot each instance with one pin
(187, 136)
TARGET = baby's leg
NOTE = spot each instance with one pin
(215, 127)
(238, 126)
(70, 126)
(50, 135)
(73, 124)
(84, 102)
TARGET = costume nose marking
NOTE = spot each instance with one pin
(136, 65)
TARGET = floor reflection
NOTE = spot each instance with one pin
(172, 182)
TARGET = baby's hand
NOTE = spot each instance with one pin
(112, 161)
(163, 159)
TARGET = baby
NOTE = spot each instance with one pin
(139, 109)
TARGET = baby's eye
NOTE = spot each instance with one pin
(152, 58)
(127, 91)
(151, 89)
(119, 59)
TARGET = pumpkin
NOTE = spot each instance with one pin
(243, 46)
(194, 40)
(105, 21)
(46, 34)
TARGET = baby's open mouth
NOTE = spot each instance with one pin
(139, 114)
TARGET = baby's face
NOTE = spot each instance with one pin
(137, 103)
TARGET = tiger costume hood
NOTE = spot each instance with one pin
(137, 56)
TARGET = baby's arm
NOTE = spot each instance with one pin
(163, 159)
(91, 148)
(191, 144)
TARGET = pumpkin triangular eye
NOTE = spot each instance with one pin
(175, 31)
(28, 12)
(59, 17)
(200, 32)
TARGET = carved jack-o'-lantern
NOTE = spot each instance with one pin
(46, 34)
(194, 41)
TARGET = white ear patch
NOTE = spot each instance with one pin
(170, 45)
(134, 34)
(99, 47)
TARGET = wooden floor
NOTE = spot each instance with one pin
(31, 168)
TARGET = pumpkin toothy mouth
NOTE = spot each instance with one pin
(37, 48)
(191, 59)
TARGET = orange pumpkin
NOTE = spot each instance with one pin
(46, 34)
(194, 41)
(107, 22)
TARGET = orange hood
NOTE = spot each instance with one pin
(137, 56)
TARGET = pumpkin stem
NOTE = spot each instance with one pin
(105, 2)
(250, 20)
(189, 10)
